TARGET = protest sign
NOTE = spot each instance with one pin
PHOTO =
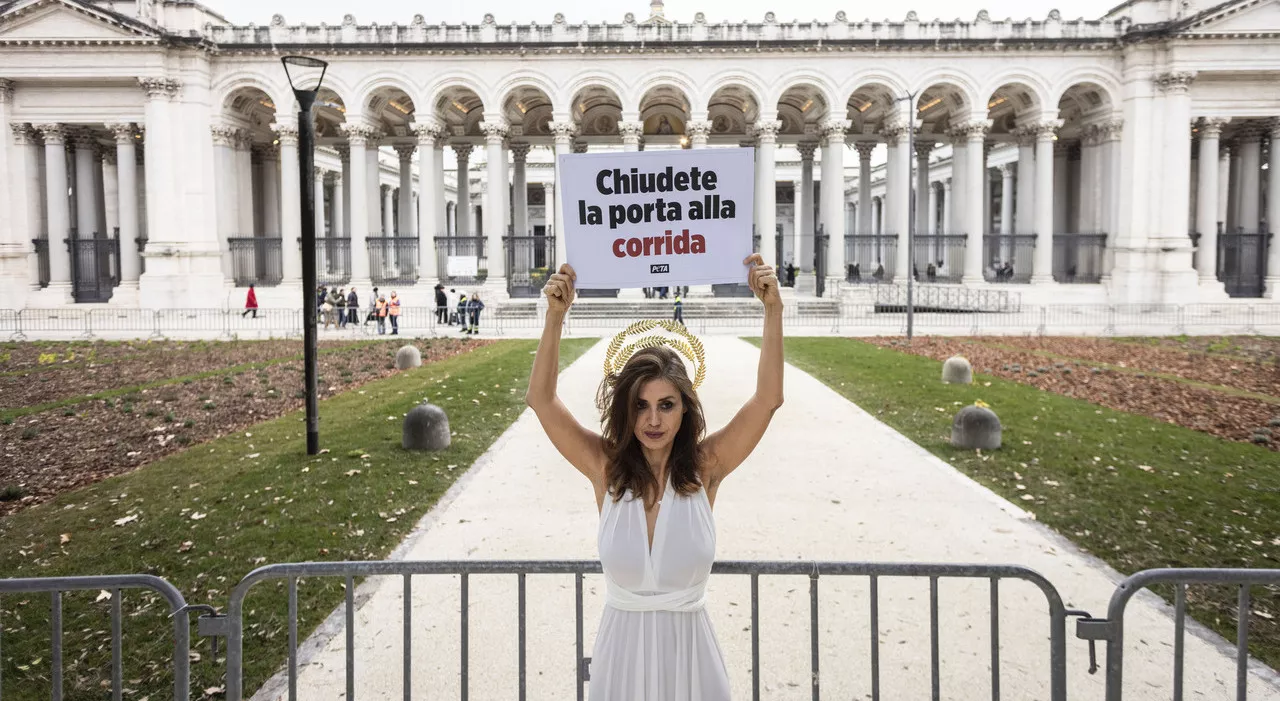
(658, 218)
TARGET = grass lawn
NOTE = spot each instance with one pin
(1136, 492)
(204, 518)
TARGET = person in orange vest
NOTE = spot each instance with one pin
(381, 311)
(393, 310)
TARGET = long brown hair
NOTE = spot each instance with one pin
(627, 467)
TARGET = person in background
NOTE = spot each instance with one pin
(442, 305)
(373, 307)
(855, 273)
(333, 305)
(878, 275)
(931, 272)
(452, 302)
(462, 310)
(321, 294)
(393, 311)
(474, 307)
(353, 308)
(791, 274)
(381, 310)
(250, 303)
(679, 310)
(340, 307)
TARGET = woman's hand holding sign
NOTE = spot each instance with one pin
(763, 280)
(559, 288)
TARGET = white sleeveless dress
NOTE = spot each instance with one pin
(655, 641)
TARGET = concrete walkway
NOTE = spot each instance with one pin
(828, 482)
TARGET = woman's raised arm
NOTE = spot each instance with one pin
(583, 448)
(727, 448)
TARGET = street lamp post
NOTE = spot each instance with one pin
(305, 75)
(911, 210)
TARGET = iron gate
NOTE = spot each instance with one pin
(530, 261)
(95, 267)
(1242, 262)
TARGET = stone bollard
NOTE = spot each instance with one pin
(976, 427)
(426, 427)
(408, 357)
(957, 371)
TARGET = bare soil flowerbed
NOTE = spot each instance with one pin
(1223, 414)
(54, 451)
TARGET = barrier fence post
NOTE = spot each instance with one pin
(1180, 319)
(17, 333)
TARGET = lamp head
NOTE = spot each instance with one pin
(305, 75)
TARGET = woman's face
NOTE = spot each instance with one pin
(659, 412)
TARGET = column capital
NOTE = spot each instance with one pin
(319, 172)
(767, 130)
(429, 132)
(974, 130)
(1045, 130)
(109, 156)
(698, 128)
(924, 148)
(1250, 132)
(579, 147)
(266, 152)
(286, 134)
(405, 151)
(1091, 135)
(224, 135)
(463, 151)
(1008, 169)
(1111, 129)
(1175, 82)
(1211, 127)
(520, 151)
(833, 130)
(495, 130)
(53, 134)
(865, 149)
(362, 134)
(548, 185)
(23, 134)
(807, 149)
(6, 90)
(124, 132)
(1024, 136)
(160, 87)
(344, 153)
(894, 133)
(562, 130)
(631, 131)
(333, 177)
(83, 139)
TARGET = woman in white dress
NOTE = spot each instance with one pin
(655, 475)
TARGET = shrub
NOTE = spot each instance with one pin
(11, 493)
(188, 423)
(170, 417)
(68, 412)
(209, 406)
(30, 432)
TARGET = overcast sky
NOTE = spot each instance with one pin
(524, 11)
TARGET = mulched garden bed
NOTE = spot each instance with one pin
(1218, 413)
(1255, 372)
(61, 449)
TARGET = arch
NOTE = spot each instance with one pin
(801, 78)
(892, 82)
(456, 79)
(752, 84)
(586, 80)
(382, 80)
(960, 82)
(241, 80)
(522, 79)
(340, 87)
(660, 79)
(1034, 83)
(1071, 78)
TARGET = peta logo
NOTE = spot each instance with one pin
(660, 268)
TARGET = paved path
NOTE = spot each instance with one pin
(828, 482)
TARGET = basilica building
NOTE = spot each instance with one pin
(150, 148)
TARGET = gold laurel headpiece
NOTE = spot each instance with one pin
(685, 344)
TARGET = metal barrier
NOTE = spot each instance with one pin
(232, 625)
(1111, 628)
(55, 586)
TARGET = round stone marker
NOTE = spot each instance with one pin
(426, 427)
(976, 427)
(957, 371)
(408, 357)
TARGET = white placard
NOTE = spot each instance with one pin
(658, 218)
(463, 266)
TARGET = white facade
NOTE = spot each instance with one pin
(1068, 159)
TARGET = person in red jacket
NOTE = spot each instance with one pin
(250, 303)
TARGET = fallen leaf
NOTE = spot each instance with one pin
(103, 595)
(186, 545)
(64, 538)
(127, 519)
(196, 516)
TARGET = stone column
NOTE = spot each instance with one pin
(931, 223)
(1207, 202)
(361, 139)
(804, 207)
(1233, 188)
(430, 192)
(373, 187)
(1006, 198)
(86, 202)
(290, 206)
(388, 211)
(1061, 199)
(1249, 142)
(1042, 258)
(100, 192)
(766, 152)
(337, 208)
(699, 130)
(1271, 281)
(975, 176)
(269, 158)
(405, 151)
(631, 133)
(898, 188)
(1025, 185)
(1111, 132)
(563, 135)
(437, 160)
(226, 193)
(923, 198)
(520, 189)
(319, 192)
(864, 149)
(12, 187)
(959, 146)
(462, 213)
(127, 187)
(26, 203)
(832, 208)
(495, 205)
(243, 179)
(1224, 181)
(344, 156)
(159, 179)
(947, 212)
(549, 193)
(57, 205)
